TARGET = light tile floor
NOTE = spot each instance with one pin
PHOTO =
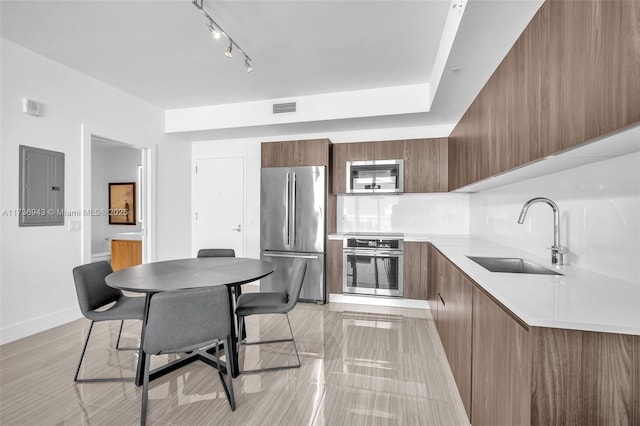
(360, 365)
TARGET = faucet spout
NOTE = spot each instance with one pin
(557, 251)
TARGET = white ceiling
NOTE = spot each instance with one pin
(162, 51)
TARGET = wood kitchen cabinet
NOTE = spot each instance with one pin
(334, 267)
(415, 270)
(510, 373)
(313, 152)
(425, 165)
(125, 253)
(501, 366)
(454, 323)
(572, 76)
(425, 162)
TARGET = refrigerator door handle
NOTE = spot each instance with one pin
(293, 209)
(286, 210)
(294, 256)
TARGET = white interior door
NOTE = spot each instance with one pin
(219, 204)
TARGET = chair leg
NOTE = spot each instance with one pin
(229, 390)
(84, 348)
(240, 329)
(293, 340)
(285, 367)
(118, 341)
(145, 391)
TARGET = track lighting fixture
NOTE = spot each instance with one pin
(217, 33)
(246, 64)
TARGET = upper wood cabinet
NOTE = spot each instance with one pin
(425, 166)
(313, 152)
(572, 76)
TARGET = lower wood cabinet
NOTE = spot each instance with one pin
(453, 320)
(501, 366)
(334, 267)
(415, 274)
(509, 373)
(125, 253)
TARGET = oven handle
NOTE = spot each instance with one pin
(373, 252)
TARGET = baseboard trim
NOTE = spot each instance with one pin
(38, 324)
(378, 301)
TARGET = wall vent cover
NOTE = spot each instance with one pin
(285, 107)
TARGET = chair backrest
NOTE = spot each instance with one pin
(91, 288)
(216, 253)
(298, 271)
(186, 320)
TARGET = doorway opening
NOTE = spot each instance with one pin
(117, 206)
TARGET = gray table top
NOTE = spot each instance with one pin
(189, 273)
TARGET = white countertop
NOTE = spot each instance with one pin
(127, 236)
(578, 300)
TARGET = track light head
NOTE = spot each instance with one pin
(228, 52)
(247, 64)
(215, 33)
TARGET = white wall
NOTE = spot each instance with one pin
(110, 164)
(599, 215)
(36, 285)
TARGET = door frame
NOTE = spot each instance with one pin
(194, 199)
(149, 248)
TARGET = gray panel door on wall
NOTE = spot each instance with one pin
(41, 187)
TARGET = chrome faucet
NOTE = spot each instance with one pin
(557, 251)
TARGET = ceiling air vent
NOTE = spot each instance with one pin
(285, 107)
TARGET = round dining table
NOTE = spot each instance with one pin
(151, 278)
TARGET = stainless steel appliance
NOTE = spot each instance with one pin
(292, 225)
(379, 176)
(373, 265)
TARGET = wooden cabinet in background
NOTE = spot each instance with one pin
(426, 165)
(125, 253)
(425, 162)
(415, 270)
(313, 152)
(334, 267)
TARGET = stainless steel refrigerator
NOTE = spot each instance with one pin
(292, 225)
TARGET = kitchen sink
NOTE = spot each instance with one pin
(513, 265)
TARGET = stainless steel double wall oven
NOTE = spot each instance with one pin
(373, 265)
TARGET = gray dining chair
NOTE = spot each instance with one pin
(94, 298)
(273, 303)
(216, 253)
(184, 321)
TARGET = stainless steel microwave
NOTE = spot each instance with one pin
(379, 176)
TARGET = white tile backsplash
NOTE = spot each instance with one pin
(599, 207)
(406, 213)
